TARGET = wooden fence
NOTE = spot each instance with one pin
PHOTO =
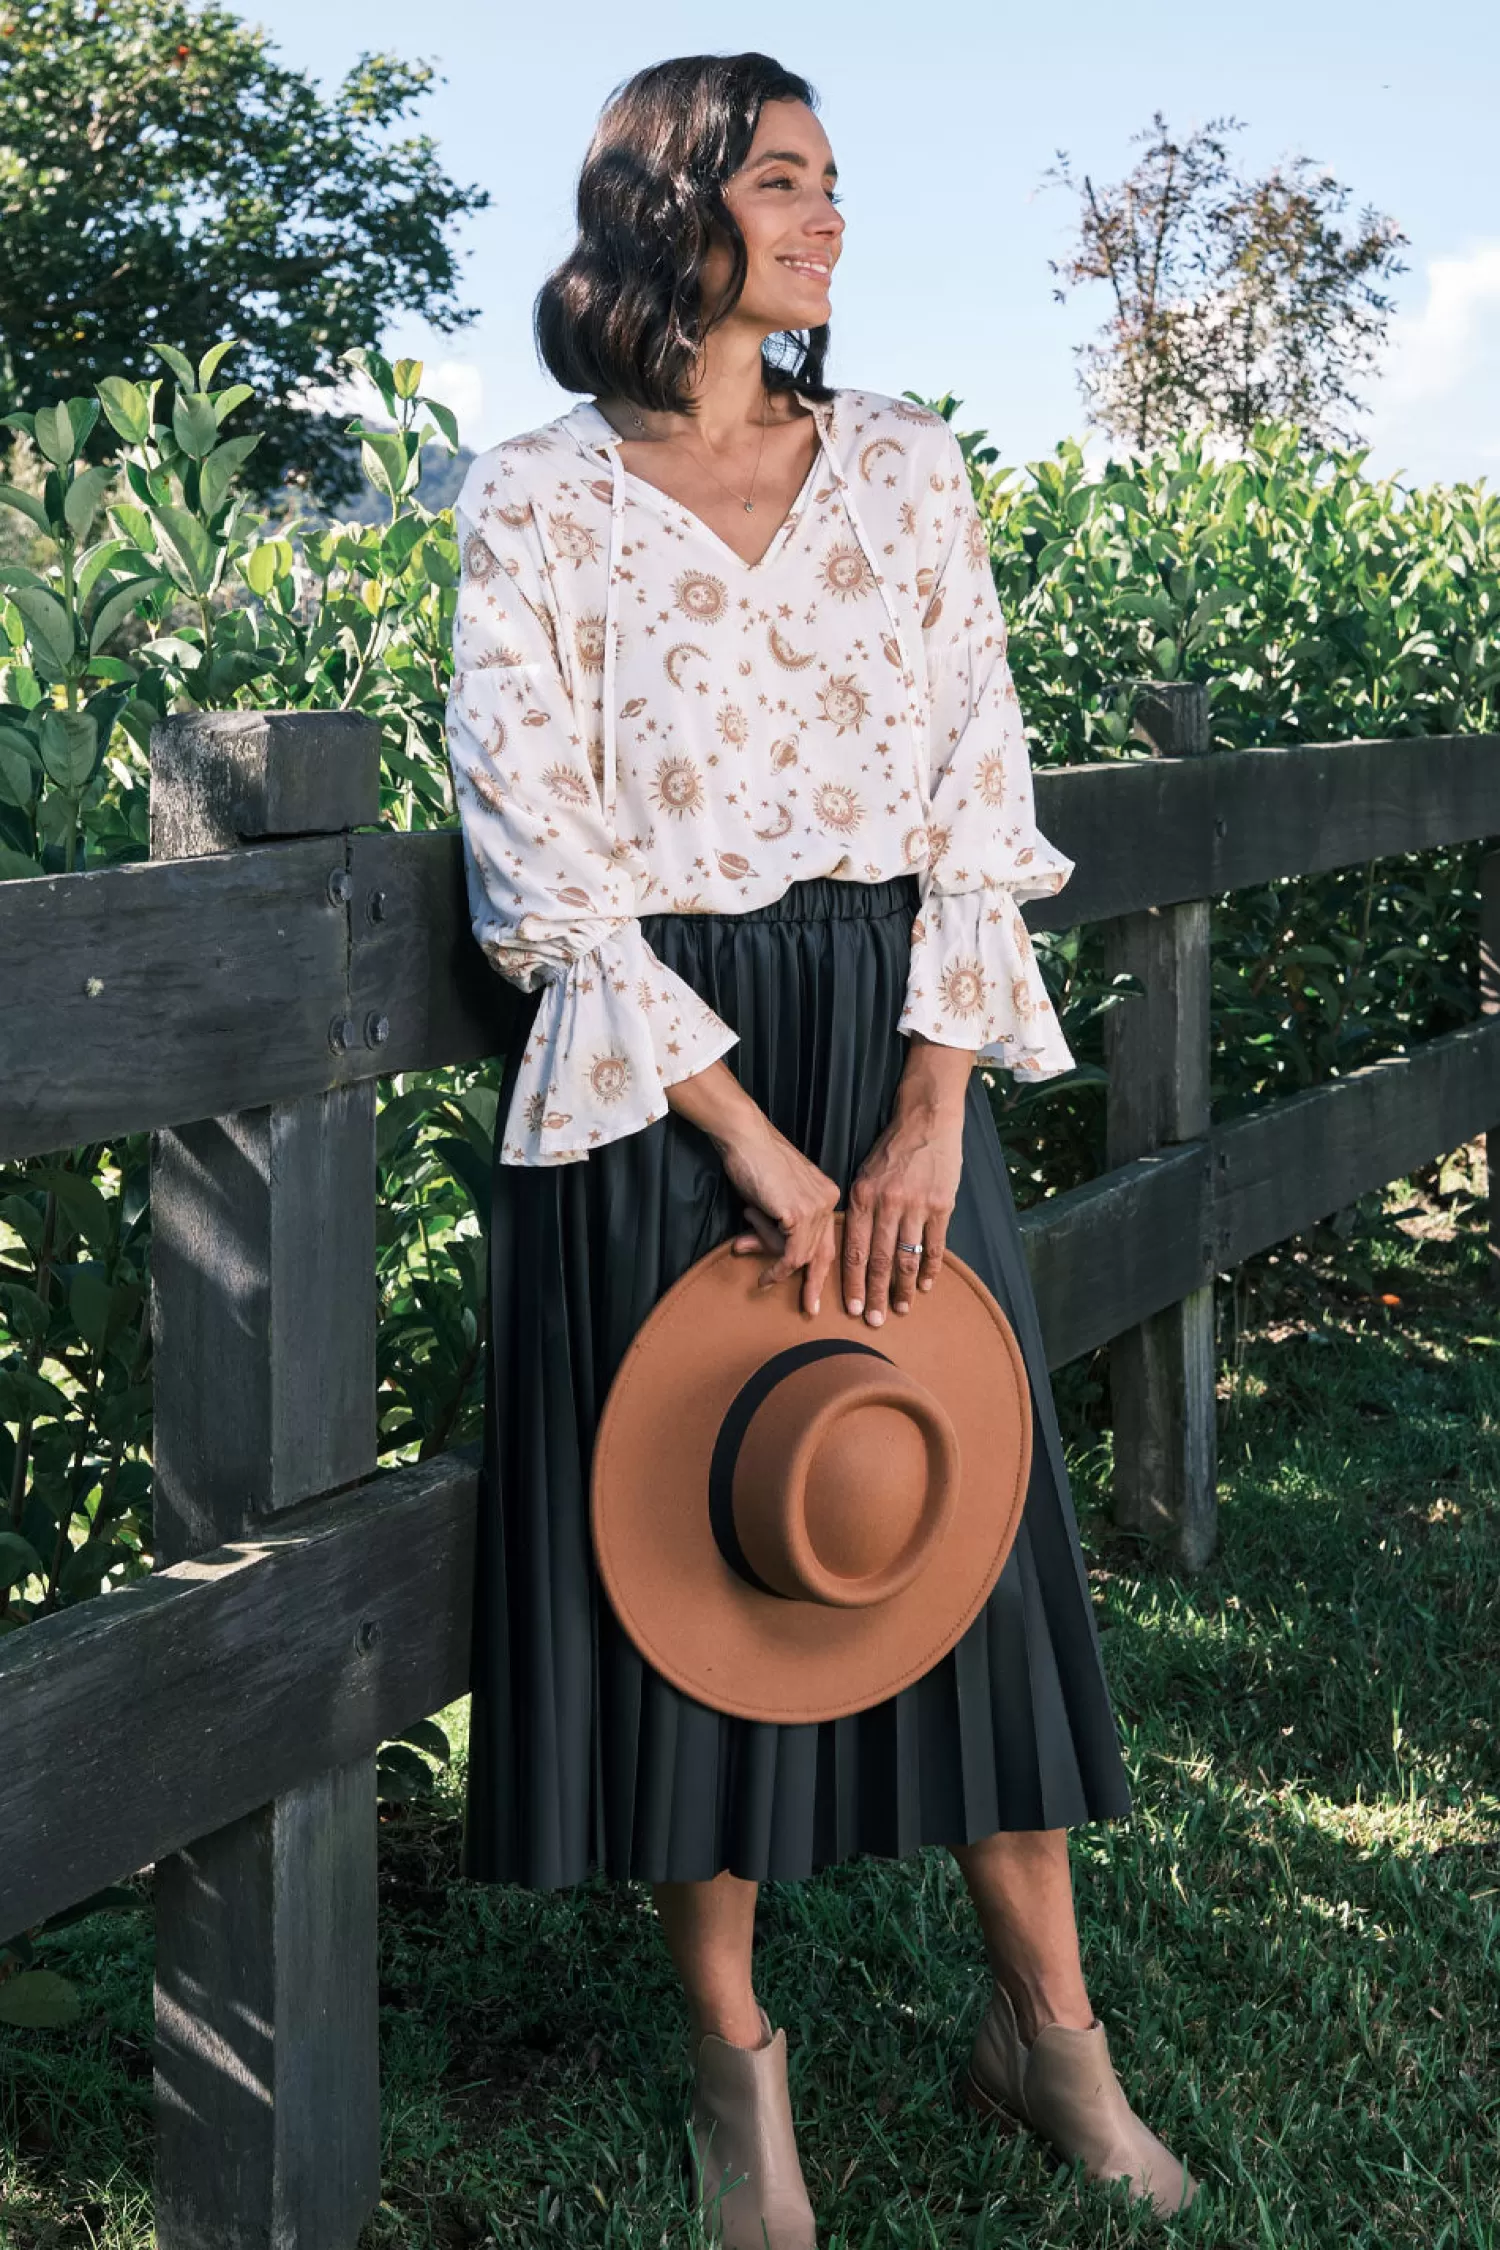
(239, 995)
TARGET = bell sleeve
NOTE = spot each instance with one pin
(553, 895)
(974, 979)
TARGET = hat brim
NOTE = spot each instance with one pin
(710, 1632)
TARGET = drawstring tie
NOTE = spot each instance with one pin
(611, 439)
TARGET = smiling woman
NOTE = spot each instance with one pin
(740, 767)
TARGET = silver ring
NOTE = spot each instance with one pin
(914, 1247)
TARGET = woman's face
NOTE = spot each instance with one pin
(783, 202)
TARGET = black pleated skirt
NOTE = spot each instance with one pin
(581, 1756)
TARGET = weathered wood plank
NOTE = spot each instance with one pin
(220, 778)
(157, 994)
(1489, 1002)
(263, 1233)
(152, 1717)
(153, 995)
(416, 967)
(1110, 1253)
(1156, 1043)
(1154, 831)
(1284, 1167)
(263, 1325)
(288, 2051)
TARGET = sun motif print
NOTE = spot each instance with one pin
(641, 722)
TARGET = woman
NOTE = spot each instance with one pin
(747, 810)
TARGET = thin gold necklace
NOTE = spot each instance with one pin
(745, 499)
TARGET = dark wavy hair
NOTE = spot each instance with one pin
(622, 315)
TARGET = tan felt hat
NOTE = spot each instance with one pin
(794, 1516)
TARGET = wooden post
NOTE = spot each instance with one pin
(263, 1324)
(1489, 1005)
(1161, 1374)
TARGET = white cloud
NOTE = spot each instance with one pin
(1436, 406)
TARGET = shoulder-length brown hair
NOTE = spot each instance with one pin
(622, 315)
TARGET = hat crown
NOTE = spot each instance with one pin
(844, 1481)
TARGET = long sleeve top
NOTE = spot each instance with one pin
(642, 722)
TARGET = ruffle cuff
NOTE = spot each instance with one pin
(975, 982)
(609, 1036)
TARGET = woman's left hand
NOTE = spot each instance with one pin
(903, 1192)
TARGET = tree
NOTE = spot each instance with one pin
(163, 175)
(1236, 301)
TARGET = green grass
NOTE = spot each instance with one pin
(1294, 1943)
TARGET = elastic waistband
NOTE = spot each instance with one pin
(821, 898)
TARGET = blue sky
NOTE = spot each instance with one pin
(943, 121)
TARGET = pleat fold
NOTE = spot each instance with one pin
(581, 1756)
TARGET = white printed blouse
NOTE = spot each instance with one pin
(641, 722)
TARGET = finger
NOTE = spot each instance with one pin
(881, 1263)
(934, 1243)
(764, 1235)
(908, 1261)
(786, 1261)
(818, 1265)
(856, 1253)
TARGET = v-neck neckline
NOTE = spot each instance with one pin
(784, 529)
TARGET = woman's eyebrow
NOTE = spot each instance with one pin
(791, 156)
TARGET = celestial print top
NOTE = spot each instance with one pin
(642, 722)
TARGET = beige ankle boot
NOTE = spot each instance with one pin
(751, 2191)
(1064, 2087)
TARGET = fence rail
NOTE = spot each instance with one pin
(163, 992)
(219, 1720)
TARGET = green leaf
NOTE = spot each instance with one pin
(54, 434)
(399, 543)
(18, 777)
(81, 1202)
(260, 569)
(91, 1302)
(83, 497)
(26, 422)
(194, 423)
(127, 407)
(15, 867)
(379, 370)
(51, 626)
(225, 402)
(116, 604)
(38, 2000)
(399, 1775)
(69, 746)
(446, 420)
(26, 504)
(136, 525)
(408, 377)
(208, 365)
(220, 469)
(83, 413)
(386, 461)
(180, 366)
(19, 1560)
(427, 1735)
(13, 575)
(192, 557)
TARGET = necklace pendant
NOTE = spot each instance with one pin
(749, 507)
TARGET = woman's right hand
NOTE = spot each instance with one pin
(789, 1204)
